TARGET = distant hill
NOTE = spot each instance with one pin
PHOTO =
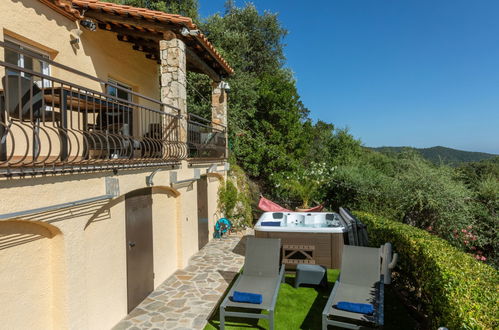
(441, 154)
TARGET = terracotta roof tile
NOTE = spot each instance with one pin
(64, 7)
(157, 16)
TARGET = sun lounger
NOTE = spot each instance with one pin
(261, 276)
(361, 282)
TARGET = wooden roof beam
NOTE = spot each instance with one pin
(195, 60)
(117, 19)
(137, 34)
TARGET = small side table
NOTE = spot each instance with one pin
(310, 274)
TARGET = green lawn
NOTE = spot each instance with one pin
(302, 308)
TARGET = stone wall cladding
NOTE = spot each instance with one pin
(218, 104)
(174, 80)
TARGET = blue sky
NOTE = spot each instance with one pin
(396, 72)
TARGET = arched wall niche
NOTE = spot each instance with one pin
(19, 226)
(115, 201)
(31, 261)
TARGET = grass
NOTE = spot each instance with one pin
(302, 308)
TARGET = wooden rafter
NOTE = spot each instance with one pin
(135, 33)
(194, 60)
(146, 38)
(130, 21)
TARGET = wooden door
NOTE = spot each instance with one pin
(203, 230)
(140, 271)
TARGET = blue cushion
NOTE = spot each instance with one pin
(355, 307)
(271, 223)
(246, 297)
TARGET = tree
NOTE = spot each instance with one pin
(188, 8)
(265, 111)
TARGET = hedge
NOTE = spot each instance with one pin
(457, 291)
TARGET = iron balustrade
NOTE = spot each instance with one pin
(205, 139)
(49, 124)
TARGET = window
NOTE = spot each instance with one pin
(121, 92)
(122, 115)
(24, 60)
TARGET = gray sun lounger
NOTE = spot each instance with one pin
(260, 275)
(360, 281)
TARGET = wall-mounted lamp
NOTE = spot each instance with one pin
(88, 24)
(75, 36)
(186, 32)
(225, 86)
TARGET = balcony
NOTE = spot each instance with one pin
(52, 125)
(205, 140)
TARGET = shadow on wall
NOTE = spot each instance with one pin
(69, 213)
(51, 15)
(18, 182)
(18, 232)
(103, 213)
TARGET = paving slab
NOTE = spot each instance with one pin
(187, 298)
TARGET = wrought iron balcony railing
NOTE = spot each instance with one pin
(206, 140)
(49, 124)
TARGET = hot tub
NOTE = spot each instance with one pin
(312, 238)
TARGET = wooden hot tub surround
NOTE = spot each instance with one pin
(327, 247)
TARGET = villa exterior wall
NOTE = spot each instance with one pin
(99, 53)
(83, 280)
(188, 222)
(213, 212)
(29, 279)
(165, 218)
(105, 267)
(72, 272)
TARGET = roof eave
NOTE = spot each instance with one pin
(156, 17)
(63, 7)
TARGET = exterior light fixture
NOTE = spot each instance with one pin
(225, 86)
(186, 32)
(75, 36)
(88, 24)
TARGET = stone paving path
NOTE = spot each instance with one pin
(188, 297)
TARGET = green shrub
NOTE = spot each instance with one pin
(432, 199)
(456, 290)
(410, 190)
(364, 188)
(234, 198)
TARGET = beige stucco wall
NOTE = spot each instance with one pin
(76, 278)
(99, 53)
(25, 277)
(187, 220)
(84, 286)
(105, 268)
(213, 211)
(164, 236)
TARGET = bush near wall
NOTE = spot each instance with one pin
(458, 292)
(234, 198)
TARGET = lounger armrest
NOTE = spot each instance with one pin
(276, 292)
(380, 301)
(282, 272)
(227, 296)
(329, 303)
